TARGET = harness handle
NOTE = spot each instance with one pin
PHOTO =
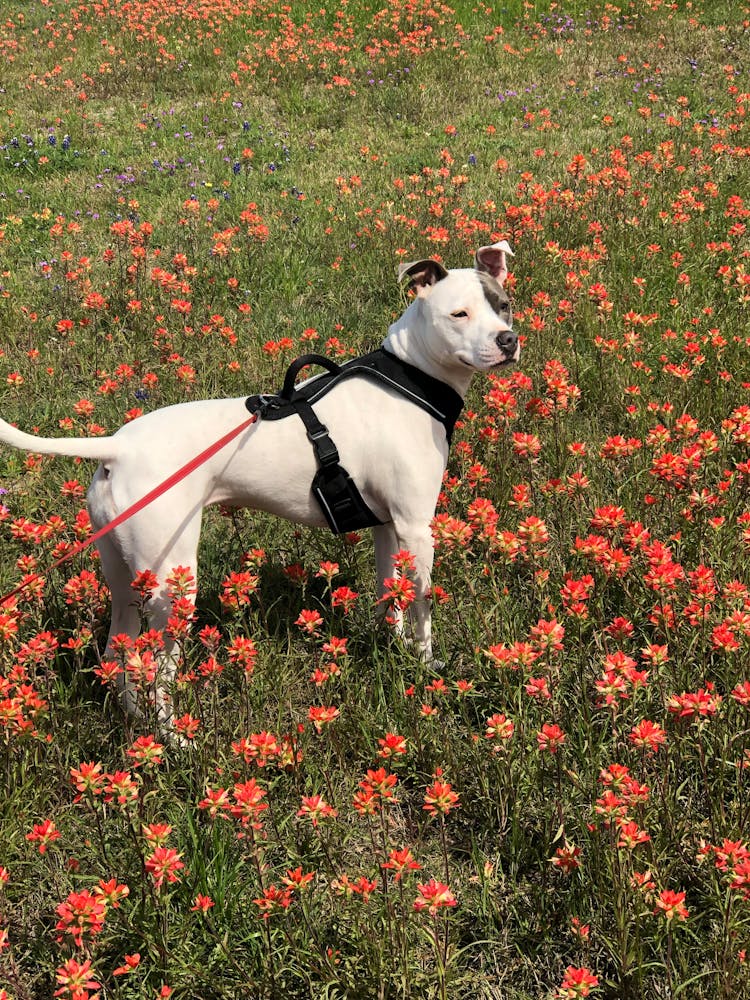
(296, 367)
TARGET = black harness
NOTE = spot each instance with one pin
(333, 488)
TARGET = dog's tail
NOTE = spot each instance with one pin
(101, 449)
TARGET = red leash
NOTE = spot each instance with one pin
(152, 495)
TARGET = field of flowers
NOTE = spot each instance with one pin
(194, 192)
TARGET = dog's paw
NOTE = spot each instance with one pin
(391, 617)
(178, 743)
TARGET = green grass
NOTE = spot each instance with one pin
(629, 271)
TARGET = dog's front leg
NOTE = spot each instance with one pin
(389, 540)
(419, 543)
(386, 547)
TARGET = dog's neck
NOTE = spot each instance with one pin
(409, 348)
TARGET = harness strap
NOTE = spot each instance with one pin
(333, 487)
(439, 399)
(341, 502)
(336, 492)
(325, 450)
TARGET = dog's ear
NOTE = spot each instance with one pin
(493, 260)
(423, 274)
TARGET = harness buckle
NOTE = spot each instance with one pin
(325, 450)
(262, 403)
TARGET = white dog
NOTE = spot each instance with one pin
(459, 322)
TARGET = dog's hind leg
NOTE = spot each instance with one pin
(177, 548)
(125, 617)
(182, 553)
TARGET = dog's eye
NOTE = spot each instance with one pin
(459, 314)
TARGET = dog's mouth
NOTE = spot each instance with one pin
(489, 364)
(509, 359)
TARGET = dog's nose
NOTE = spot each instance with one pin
(507, 341)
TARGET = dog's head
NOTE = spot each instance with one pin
(466, 316)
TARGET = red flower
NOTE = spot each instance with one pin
(440, 798)
(566, 857)
(400, 861)
(145, 752)
(363, 887)
(131, 962)
(216, 802)
(527, 446)
(392, 745)
(121, 787)
(156, 834)
(451, 532)
(547, 636)
(499, 729)
(723, 639)
(577, 982)
(648, 736)
(249, 803)
(111, 892)
(241, 650)
(740, 877)
(74, 979)
(538, 688)
(671, 904)
(259, 747)
(315, 808)
(533, 534)
(309, 621)
(550, 737)
(88, 778)
(202, 904)
(434, 896)
(630, 835)
(237, 589)
(145, 583)
(620, 628)
(695, 705)
(322, 715)
(344, 597)
(273, 901)
(181, 581)
(400, 591)
(43, 834)
(81, 913)
(163, 866)
(296, 879)
(608, 517)
(187, 726)
(328, 570)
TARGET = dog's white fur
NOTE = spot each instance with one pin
(458, 323)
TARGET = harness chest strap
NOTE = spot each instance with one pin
(333, 488)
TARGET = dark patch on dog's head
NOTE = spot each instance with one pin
(495, 295)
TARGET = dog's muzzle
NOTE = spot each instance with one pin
(507, 341)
